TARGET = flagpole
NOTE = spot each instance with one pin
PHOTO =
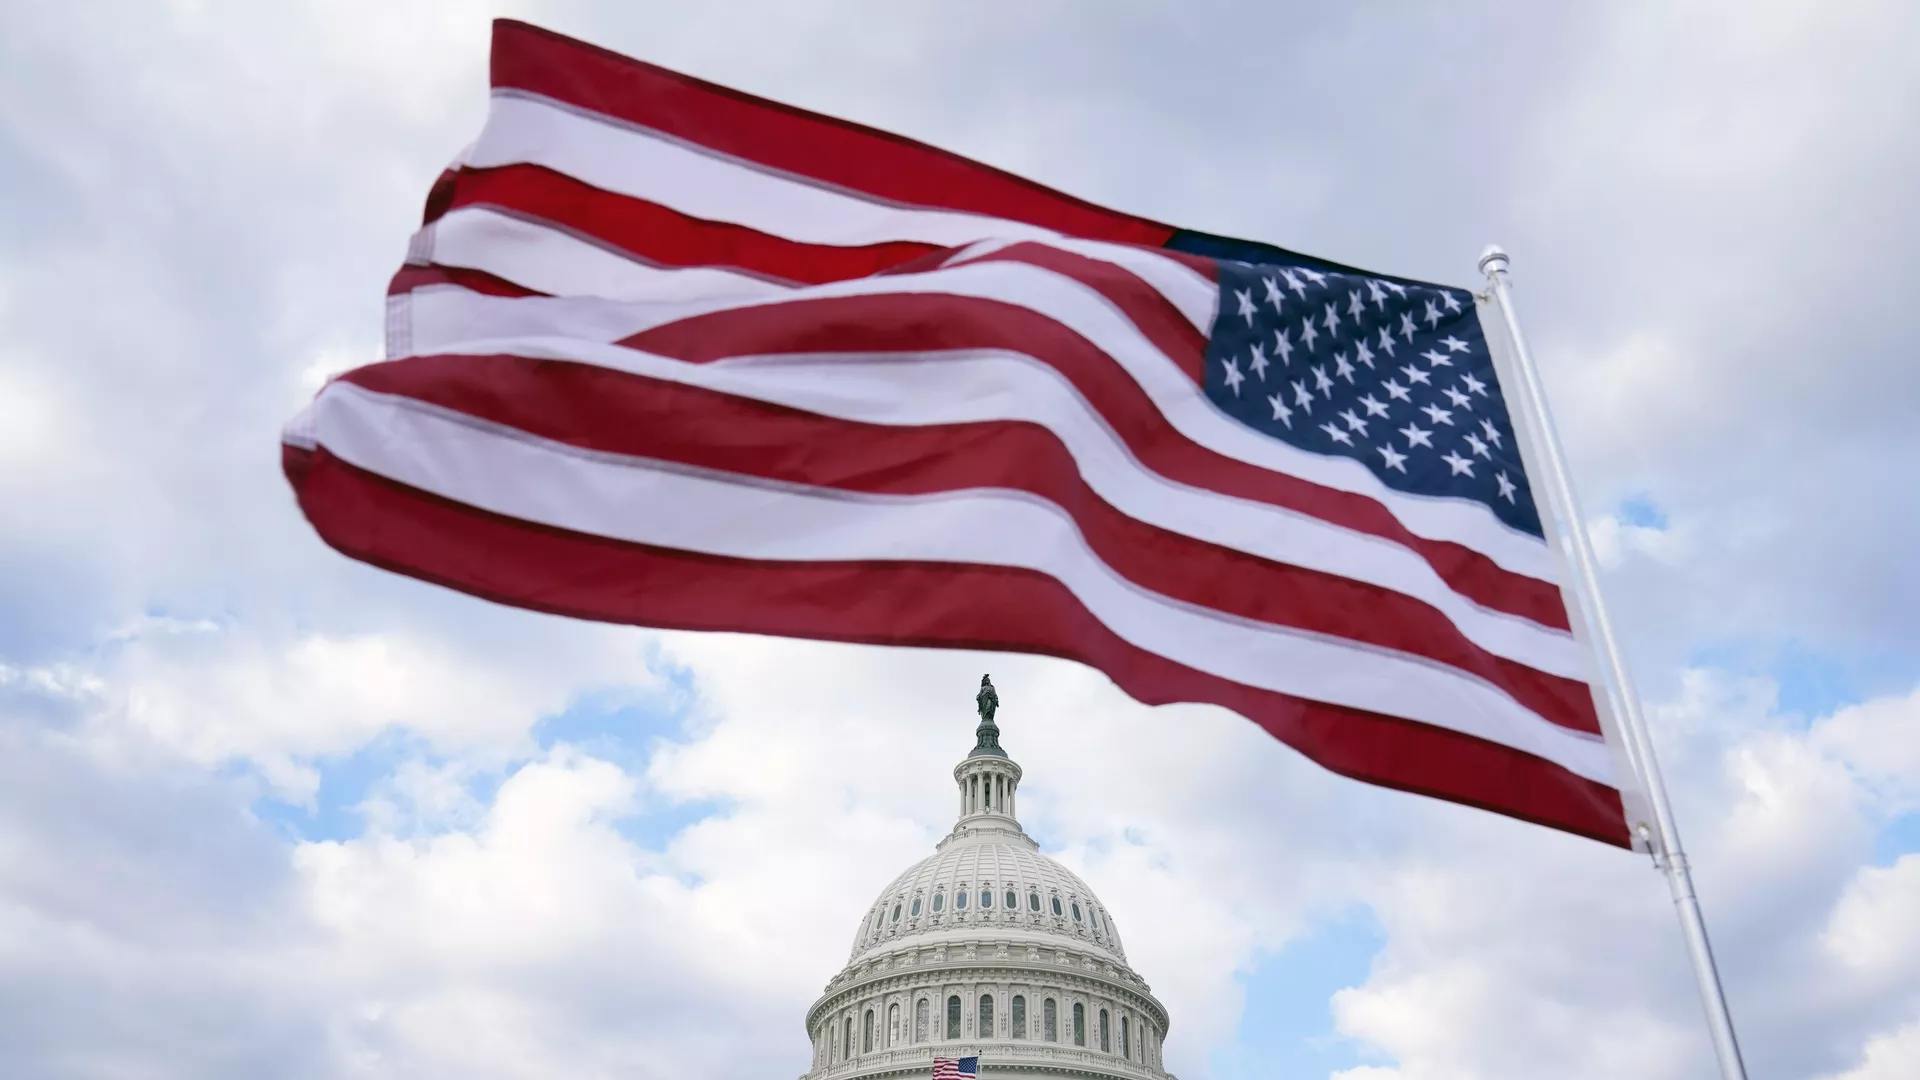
(1664, 836)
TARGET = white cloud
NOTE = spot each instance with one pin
(1555, 959)
(1880, 740)
(216, 695)
(1875, 929)
(1613, 540)
(1888, 1057)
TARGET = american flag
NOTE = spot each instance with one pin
(667, 354)
(967, 1068)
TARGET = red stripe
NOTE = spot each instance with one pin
(440, 195)
(616, 412)
(413, 277)
(923, 322)
(667, 237)
(780, 137)
(935, 605)
(1145, 306)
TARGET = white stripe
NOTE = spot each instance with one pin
(1195, 295)
(916, 390)
(446, 318)
(629, 160)
(644, 502)
(549, 260)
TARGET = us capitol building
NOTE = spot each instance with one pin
(987, 948)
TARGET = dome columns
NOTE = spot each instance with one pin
(987, 787)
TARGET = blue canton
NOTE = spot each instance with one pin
(1394, 375)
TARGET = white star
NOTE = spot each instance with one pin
(1282, 347)
(1406, 325)
(1432, 316)
(1293, 282)
(1452, 302)
(1414, 374)
(1338, 435)
(1417, 437)
(1314, 276)
(1273, 292)
(1436, 358)
(1234, 378)
(1506, 486)
(1259, 362)
(1395, 459)
(1374, 406)
(1332, 322)
(1460, 400)
(1342, 366)
(1245, 299)
(1355, 305)
(1386, 340)
(1398, 290)
(1301, 397)
(1320, 380)
(1354, 422)
(1437, 414)
(1363, 354)
(1280, 410)
(1378, 294)
(1453, 344)
(1478, 446)
(1308, 335)
(1396, 391)
(1474, 384)
(1493, 433)
(1457, 463)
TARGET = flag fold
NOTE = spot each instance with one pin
(667, 354)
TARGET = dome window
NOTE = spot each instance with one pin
(1019, 1020)
(953, 1017)
(959, 899)
(1056, 908)
(939, 901)
(1076, 911)
(915, 909)
(896, 913)
(1033, 901)
(986, 898)
(1013, 900)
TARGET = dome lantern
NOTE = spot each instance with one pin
(987, 776)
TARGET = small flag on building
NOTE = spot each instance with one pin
(667, 354)
(966, 1068)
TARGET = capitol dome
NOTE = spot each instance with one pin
(987, 949)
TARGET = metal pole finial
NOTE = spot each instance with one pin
(1493, 259)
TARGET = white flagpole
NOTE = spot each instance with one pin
(1663, 837)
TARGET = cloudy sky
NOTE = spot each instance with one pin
(267, 812)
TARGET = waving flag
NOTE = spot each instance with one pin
(667, 354)
(966, 1068)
